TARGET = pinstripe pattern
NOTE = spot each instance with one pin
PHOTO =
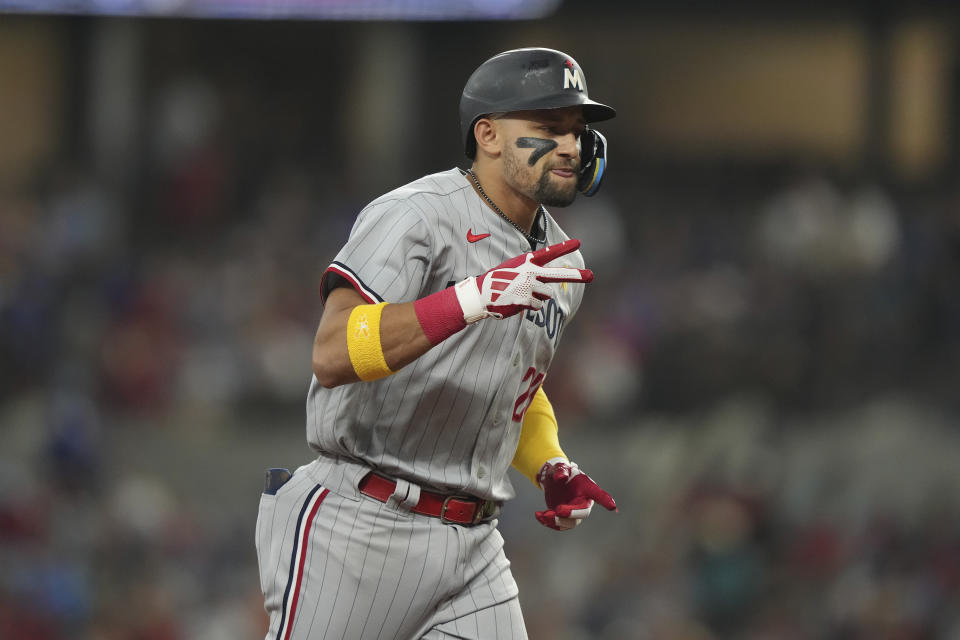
(356, 568)
(445, 420)
(371, 572)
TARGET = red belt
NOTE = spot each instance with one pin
(449, 508)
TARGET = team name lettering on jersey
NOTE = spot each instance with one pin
(550, 317)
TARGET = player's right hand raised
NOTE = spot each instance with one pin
(517, 284)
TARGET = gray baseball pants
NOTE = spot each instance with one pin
(335, 563)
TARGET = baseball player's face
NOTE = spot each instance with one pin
(541, 154)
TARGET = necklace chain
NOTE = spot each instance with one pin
(530, 238)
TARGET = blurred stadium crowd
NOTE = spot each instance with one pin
(763, 374)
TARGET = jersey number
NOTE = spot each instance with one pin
(523, 401)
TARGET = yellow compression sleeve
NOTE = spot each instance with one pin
(363, 342)
(539, 438)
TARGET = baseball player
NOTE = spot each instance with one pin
(441, 316)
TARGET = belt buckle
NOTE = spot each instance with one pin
(477, 513)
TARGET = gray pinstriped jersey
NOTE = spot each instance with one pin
(450, 419)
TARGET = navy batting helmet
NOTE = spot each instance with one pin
(523, 79)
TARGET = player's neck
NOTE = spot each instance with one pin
(516, 206)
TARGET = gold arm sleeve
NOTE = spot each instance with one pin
(539, 439)
(363, 342)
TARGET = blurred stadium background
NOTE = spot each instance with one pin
(764, 374)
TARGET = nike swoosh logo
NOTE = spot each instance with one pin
(474, 238)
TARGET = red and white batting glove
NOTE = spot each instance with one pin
(570, 494)
(506, 290)
(517, 284)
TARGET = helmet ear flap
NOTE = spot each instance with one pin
(593, 161)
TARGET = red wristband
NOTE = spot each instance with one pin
(440, 315)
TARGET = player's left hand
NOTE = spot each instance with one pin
(569, 494)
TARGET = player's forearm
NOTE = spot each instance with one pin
(401, 339)
(360, 341)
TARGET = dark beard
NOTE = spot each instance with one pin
(552, 195)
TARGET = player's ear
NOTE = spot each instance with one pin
(489, 136)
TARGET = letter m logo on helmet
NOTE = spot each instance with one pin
(571, 77)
